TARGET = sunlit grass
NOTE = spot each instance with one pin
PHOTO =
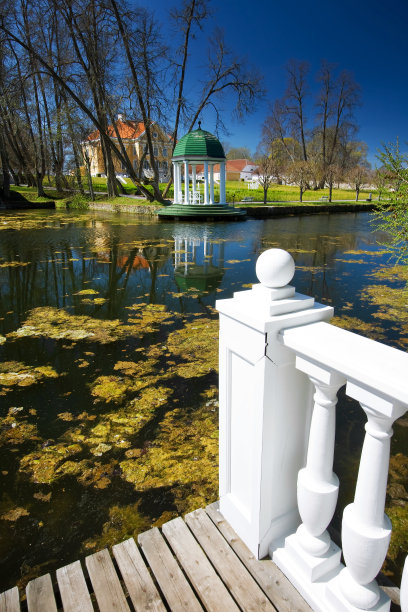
(236, 191)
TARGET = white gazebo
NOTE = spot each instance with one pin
(198, 149)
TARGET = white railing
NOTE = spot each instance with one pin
(281, 366)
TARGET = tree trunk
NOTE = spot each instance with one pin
(5, 164)
(330, 192)
(265, 194)
(88, 174)
(301, 194)
(39, 184)
(357, 193)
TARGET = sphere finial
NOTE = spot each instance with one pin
(199, 125)
(275, 268)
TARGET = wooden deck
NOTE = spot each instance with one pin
(192, 564)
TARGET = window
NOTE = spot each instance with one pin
(155, 135)
(146, 165)
(164, 152)
(155, 150)
(164, 166)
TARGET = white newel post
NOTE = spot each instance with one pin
(317, 485)
(265, 404)
(366, 530)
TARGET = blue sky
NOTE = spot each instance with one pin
(369, 39)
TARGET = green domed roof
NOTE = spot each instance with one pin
(199, 144)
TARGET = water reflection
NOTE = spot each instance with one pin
(105, 321)
(198, 260)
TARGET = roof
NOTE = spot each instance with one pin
(237, 165)
(199, 144)
(127, 129)
(232, 165)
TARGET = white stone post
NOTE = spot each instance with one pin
(265, 404)
(311, 548)
(206, 197)
(366, 530)
(211, 183)
(186, 183)
(223, 195)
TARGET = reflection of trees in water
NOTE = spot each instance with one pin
(56, 278)
(315, 242)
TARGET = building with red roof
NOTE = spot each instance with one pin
(133, 136)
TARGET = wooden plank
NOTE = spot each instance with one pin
(272, 581)
(173, 584)
(10, 601)
(207, 584)
(107, 588)
(235, 576)
(73, 589)
(40, 595)
(137, 578)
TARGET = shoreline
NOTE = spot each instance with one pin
(257, 212)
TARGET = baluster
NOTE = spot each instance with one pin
(366, 530)
(318, 485)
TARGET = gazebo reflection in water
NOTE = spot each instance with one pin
(198, 260)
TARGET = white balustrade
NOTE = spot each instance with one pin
(277, 486)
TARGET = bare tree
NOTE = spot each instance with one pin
(299, 173)
(357, 177)
(239, 153)
(328, 140)
(333, 174)
(266, 173)
(296, 92)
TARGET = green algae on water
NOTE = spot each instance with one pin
(15, 373)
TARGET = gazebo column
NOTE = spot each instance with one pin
(223, 195)
(194, 180)
(186, 182)
(206, 182)
(212, 184)
(175, 181)
(179, 191)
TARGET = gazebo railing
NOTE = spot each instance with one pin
(281, 366)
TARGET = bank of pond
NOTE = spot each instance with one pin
(108, 368)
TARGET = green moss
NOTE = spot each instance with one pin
(123, 523)
(14, 264)
(109, 388)
(197, 345)
(58, 324)
(183, 456)
(14, 514)
(86, 292)
(15, 373)
(391, 302)
(357, 325)
(42, 464)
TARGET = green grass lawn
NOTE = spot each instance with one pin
(285, 193)
(236, 191)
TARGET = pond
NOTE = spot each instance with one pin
(108, 368)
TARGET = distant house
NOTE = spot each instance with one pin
(133, 135)
(236, 170)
